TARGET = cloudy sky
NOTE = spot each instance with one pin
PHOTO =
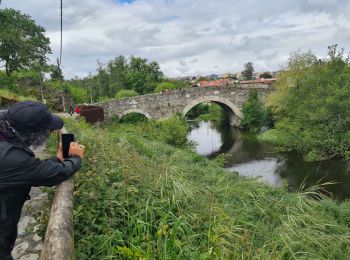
(189, 37)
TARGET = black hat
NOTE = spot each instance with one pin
(32, 116)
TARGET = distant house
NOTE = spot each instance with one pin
(227, 75)
(238, 76)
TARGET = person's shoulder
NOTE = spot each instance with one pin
(11, 152)
(5, 147)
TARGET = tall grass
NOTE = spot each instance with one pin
(139, 198)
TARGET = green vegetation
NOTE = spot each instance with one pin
(311, 106)
(208, 112)
(79, 95)
(4, 93)
(135, 74)
(255, 115)
(136, 197)
(172, 131)
(131, 118)
(23, 42)
(125, 93)
(266, 75)
(165, 86)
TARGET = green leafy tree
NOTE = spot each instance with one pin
(78, 94)
(117, 71)
(312, 105)
(254, 113)
(22, 41)
(248, 70)
(134, 74)
(266, 75)
(143, 76)
(103, 80)
(55, 72)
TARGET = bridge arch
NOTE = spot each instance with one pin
(135, 110)
(231, 110)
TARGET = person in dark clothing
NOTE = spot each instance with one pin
(71, 109)
(24, 125)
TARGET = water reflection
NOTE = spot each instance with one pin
(206, 131)
(251, 158)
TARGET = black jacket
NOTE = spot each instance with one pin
(19, 170)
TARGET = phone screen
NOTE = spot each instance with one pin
(66, 140)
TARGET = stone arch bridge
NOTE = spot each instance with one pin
(164, 105)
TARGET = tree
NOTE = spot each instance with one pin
(78, 94)
(311, 105)
(266, 75)
(248, 70)
(55, 72)
(142, 76)
(117, 70)
(22, 41)
(103, 80)
(254, 113)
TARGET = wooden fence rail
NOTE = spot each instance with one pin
(59, 237)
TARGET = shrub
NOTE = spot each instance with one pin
(125, 93)
(255, 115)
(133, 118)
(174, 131)
(164, 86)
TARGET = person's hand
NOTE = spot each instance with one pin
(76, 149)
(59, 152)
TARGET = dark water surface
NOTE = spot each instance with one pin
(249, 157)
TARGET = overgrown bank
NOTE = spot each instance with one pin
(311, 106)
(137, 197)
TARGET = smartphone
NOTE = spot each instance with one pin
(66, 140)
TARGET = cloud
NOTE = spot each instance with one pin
(189, 37)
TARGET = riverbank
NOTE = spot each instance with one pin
(136, 196)
(246, 154)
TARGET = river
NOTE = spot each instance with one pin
(250, 157)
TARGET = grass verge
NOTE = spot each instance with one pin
(137, 197)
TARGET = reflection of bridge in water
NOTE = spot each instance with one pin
(164, 105)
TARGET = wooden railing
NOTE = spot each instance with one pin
(59, 237)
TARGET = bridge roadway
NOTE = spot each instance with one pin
(164, 105)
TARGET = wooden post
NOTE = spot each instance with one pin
(59, 238)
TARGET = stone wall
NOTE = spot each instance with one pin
(164, 105)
